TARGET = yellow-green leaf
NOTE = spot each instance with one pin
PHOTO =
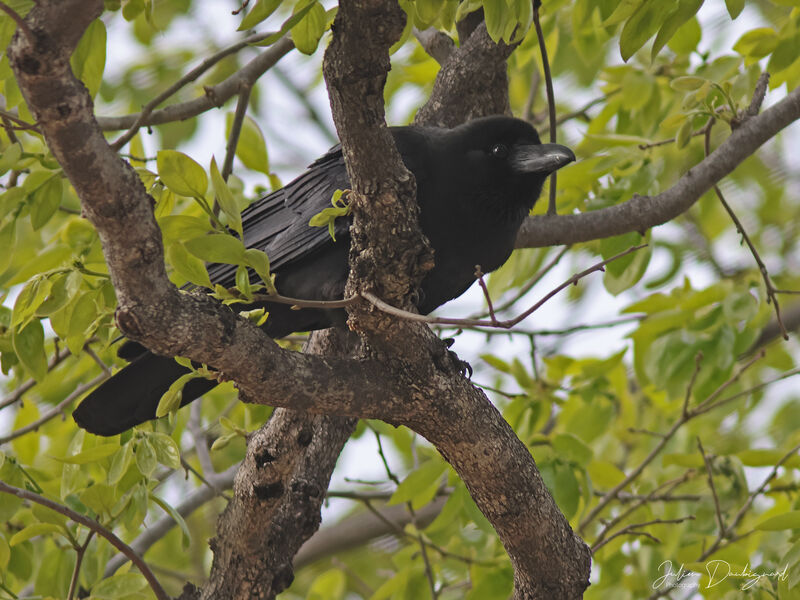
(181, 174)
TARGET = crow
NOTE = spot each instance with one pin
(476, 183)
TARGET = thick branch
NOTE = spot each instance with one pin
(384, 204)
(643, 212)
(472, 83)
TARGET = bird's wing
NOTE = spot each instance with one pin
(278, 222)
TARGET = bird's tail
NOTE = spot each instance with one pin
(132, 395)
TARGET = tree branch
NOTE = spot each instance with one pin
(643, 212)
(92, 525)
(215, 96)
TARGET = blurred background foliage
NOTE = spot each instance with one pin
(665, 374)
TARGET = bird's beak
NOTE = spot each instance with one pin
(541, 158)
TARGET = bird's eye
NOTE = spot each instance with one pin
(499, 150)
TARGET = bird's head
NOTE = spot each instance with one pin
(505, 155)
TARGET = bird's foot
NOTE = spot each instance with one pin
(448, 360)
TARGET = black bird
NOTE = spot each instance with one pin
(476, 183)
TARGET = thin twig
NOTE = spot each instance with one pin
(684, 418)
(633, 530)
(106, 369)
(671, 140)
(771, 295)
(579, 112)
(19, 21)
(641, 501)
(412, 513)
(93, 526)
(236, 129)
(327, 304)
(698, 361)
(759, 94)
(21, 125)
(191, 76)
(555, 332)
(200, 439)
(57, 410)
(551, 101)
(14, 396)
(723, 531)
(81, 552)
(530, 284)
(482, 283)
(536, 79)
(388, 308)
(720, 542)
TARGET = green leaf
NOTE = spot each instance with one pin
(81, 318)
(687, 38)
(120, 463)
(684, 135)
(45, 201)
(225, 198)
(132, 9)
(260, 11)
(287, 25)
(787, 520)
(757, 43)
(572, 448)
(623, 11)
(99, 452)
(118, 586)
(89, 59)
(181, 174)
(567, 490)
(641, 27)
(183, 227)
(734, 7)
(764, 457)
(189, 267)
(685, 10)
(687, 83)
(10, 157)
(146, 457)
(222, 441)
(252, 148)
(8, 234)
(329, 585)
(327, 216)
(5, 553)
(100, 497)
(186, 536)
(31, 531)
(309, 29)
(29, 299)
(48, 515)
(495, 14)
(167, 451)
(259, 262)
(605, 474)
(29, 346)
(421, 485)
(623, 272)
(171, 400)
(218, 248)
(63, 291)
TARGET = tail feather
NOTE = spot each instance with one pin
(132, 395)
